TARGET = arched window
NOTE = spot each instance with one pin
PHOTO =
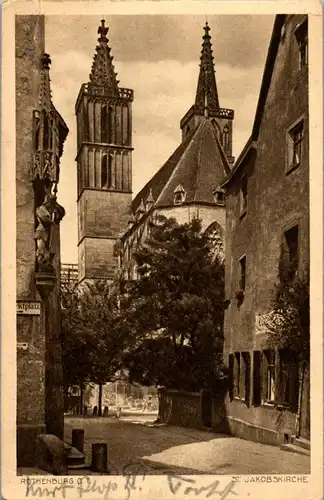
(106, 171)
(216, 235)
(104, 124)
(110, 124)
(226, 138)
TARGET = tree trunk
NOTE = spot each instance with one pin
(81, 398)
(100, 401)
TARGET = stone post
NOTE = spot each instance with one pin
(99, 457)
(78, 439)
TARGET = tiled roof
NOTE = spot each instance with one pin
(158, 181)
(199, 165)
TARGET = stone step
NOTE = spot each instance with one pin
(303, 443)
(295, 449)
(75, 457)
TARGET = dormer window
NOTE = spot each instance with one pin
(219, 197)
(301, 34)
(179, 195)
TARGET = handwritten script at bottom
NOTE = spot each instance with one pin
(178, 484)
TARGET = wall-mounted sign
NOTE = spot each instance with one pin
(22, 346)
(29, 307)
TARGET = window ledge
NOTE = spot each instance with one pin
(268, 404)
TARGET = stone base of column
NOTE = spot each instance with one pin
(26, 443)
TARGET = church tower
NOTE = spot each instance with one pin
(207, 103)
(104, 164)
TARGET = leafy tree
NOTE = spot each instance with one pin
(93, 335)
(175, 308)
(288, 324)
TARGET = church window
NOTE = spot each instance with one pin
(179, 195)
(106, 124)
(106, 171)
(243, 195)
(301, 34)
(295, 146)
(226, 138)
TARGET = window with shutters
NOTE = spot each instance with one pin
(301, 34)
(288, 379)
(256, 378)
(246, 367)
(268, 361)
(231, 375)
(290, 252)
(237, 374)
(295, 141)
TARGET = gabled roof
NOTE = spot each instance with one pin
(265, 85)
(158, 181)
(199, 165)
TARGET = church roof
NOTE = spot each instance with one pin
(199, 165)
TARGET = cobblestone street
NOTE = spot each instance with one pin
(136, 444)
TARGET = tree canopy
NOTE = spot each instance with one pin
(93, 334)
(175, 308)
(289, 322)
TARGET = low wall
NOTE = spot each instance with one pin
(180, 408)
(185, 409)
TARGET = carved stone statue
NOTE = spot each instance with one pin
(49, 213)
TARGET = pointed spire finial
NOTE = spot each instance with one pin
(103, 71)
(206, 95)
(102, 31)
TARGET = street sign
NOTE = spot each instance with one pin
(29, 307)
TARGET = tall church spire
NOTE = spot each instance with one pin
(206, 95)
(102, 71)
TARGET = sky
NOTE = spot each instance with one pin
(158, 57)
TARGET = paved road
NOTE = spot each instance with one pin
(145, 447)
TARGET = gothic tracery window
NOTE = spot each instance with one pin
(106, 171)
(226, 138)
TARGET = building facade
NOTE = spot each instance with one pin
(40, 135)
(267, 225)
(187, 186)
(104, 163)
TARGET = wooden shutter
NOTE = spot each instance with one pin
(231, 376)
(256, 378)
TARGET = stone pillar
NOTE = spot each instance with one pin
(30, 328)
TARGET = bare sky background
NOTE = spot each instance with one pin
(158, 57)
